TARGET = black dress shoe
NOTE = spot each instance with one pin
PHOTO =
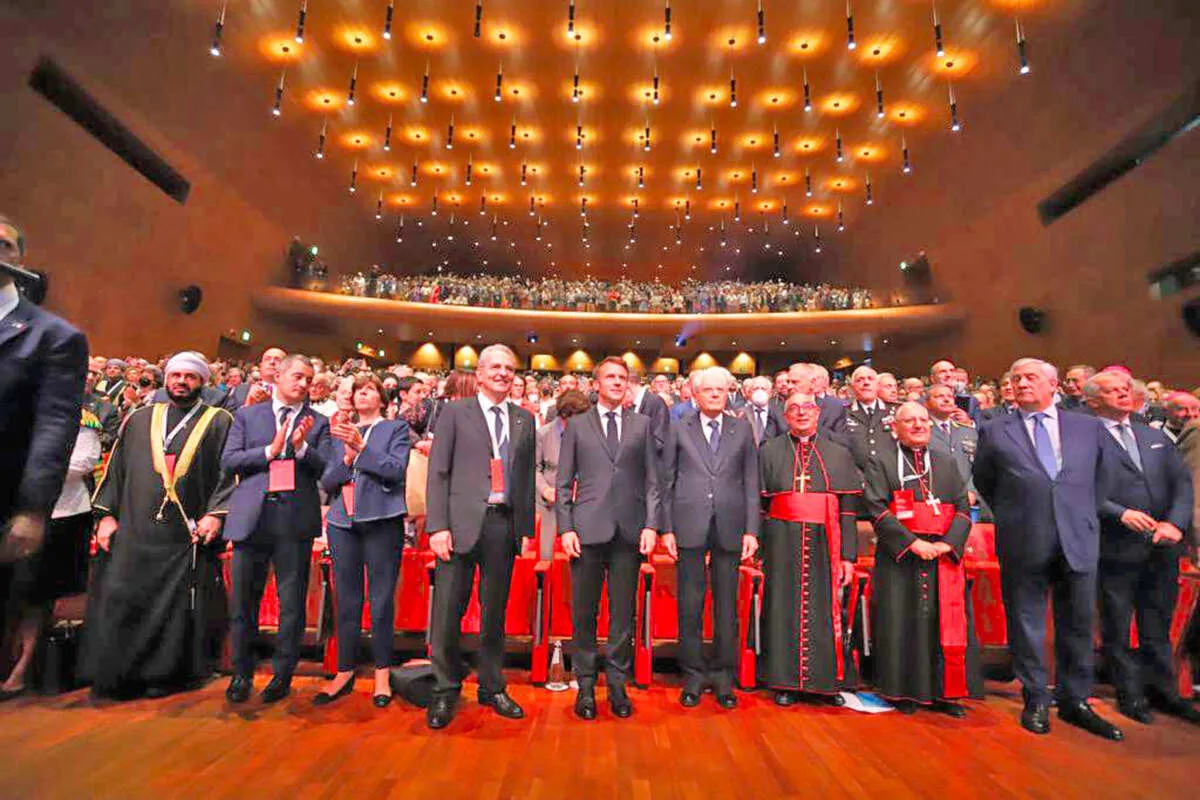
(441, 711)
(726, 700)
(381, 700)
(325, 698)
(502, 704)
(836, 700)
(1081, 715)
(277, 689)
(1136, 709)
(239, 689)
(906, 707)
(1036, 717)
(157, 691)
(950, 709)
(619, 702)
(785, 699)
(585, 704)
(689, 698)
(1177, 707)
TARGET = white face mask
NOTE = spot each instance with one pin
(760, 397)
(533, 398)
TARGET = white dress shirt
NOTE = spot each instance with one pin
(487, 406)
(9, 297)
(603, 410)
(75, 497)
(1114, 427)
(276, 407)
(1050, 423)
(706, 427)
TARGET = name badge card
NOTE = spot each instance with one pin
(348, 498)
(902, 501)
(496, 467)
(170, 459)
(283, 475)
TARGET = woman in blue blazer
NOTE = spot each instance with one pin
(365, 527)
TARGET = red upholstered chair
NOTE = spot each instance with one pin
(983, 571)
(750, 610)
(1185, 610)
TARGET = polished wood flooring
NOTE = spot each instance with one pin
(193, 745)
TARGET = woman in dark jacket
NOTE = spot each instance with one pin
(365, 481)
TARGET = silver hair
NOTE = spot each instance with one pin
(717, 375)
(910, 405)
(1094, 385)
(863, 370)
(817, 369)
(1137, 386)
(1048, 369)
(487, 353)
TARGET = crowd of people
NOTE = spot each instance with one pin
(621, 296)
(1088, 481)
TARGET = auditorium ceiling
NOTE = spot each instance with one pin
(650, 138)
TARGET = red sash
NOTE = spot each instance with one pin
(819, 508)
(952, 598)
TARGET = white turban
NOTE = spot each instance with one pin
(188, 361)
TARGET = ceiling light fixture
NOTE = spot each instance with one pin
(354, 177)
(732, 78)
(219, 28)
(954, 123)
(387, 136)
(777, 152)
(425, 84)
(807, 92)
(878, 96)
(433, 207)
(712, 147)
(413, 180)
(807, 182)
(850, 45)
(470, 164)
(300, 22)
(1021, 53)
(816, 241)
(571, 16)
(699, 182)
(906, 166)
(754, 180)
(450, 134)
(353, 84)
(512, 135)
(483, 205)
(579, 136)
(837, 138)
(667, 21)
(938, 44)
(478, 18)
(389, 15)
(320, 154)
(277, 108)
(379, 206)
(870, 196)
(841, 218)
(762, 23)
(400, 230)
(499, 81)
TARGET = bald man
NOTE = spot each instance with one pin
(814, 379)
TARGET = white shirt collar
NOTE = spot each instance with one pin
(487, 405)
(871, 406)
(9, 297)
(707, 420)
(602, 409)
(1114, 424)
(277, 404)
(1051, 413)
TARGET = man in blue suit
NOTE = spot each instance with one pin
(43, 363)
(276, 451)
(1044, 474)
(1143, 520)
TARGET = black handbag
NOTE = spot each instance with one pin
(56, 664)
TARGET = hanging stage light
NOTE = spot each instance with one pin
(301, 21)
(712, 147)
(646, 139)
(321, 139)
(478, 18)
(524, 172)
(878, 96)
(583, 206)
(777, 152)
(954, 123)
(762, 23)
(907, 165)
(425, 83)
(816, 239)
(413, 180)
(635, 208)
(837, 138)
(483, 205)
(512, 135)
(579, 136)
(450, 134)
(400, 230)
(699, 182)
(641, 177)
(387, 136)
(499, 81)
(571, 16)
(531, 206)
(687, 209)
(277, 108)
(754, 180)
(667, 21)
(379, 206)
(353, 85)
(938, 44)
(1021, 54)
(807, 92)
(841, 218)
(434, 205)
(785, 219)
(582, 172)
(387, 19)
(850, 45)
(494, 235)
(218, 29)
(537, 236)
(654, 94)
(870, 196)
(575, 86)
(737, 209)
(807, 182)
(354, 177)
(470, 164)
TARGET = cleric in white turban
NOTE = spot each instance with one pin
(188, 361)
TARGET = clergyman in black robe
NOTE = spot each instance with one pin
(811, 490)
(923, 634)
(158, 594)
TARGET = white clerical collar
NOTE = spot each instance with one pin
(9, 298)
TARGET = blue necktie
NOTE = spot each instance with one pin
(1043, 446)
(1130, 445)
(714, 438)
(502, 440)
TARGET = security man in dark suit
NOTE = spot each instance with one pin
(1044, 474)
(609, 510)
(277, 451)
(245, 394)
(480, 495)
(806, 379)
(1143, 521)
(711, 507)
(868, 418)
(648, 404)
(43, 363)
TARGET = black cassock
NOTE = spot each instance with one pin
(923, 644)
(804, 619)
(156, 601)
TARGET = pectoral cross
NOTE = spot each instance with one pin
(934, 505)
(804, 479)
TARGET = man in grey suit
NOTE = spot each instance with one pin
(609, 506)
(481, 501)
(711, 507)
(951, 430)
(549, 438)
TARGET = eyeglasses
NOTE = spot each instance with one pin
(796, 409)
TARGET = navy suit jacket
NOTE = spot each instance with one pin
(1035, 514)
(1163, 489)
(682, 409)
(832, 421)
(378, 475)
(245, 457)
(43, 362)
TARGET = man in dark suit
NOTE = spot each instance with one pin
(263, 389)
(648, 404)
(945, 372)
(43, 363)
(1072, 389)
(711, 507)
(1044, 473)
(687, 403)
(766, 421)
(609, 509)
(276, 449)
(1143, 522)
(805, 379)
(480, 495)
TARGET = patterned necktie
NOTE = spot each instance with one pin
(714, 437)
(1130, 445)
(284, 413)
(762, 422)
(610, 431)
(1043, 446)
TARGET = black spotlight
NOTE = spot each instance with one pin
(680, 340)
(531, 337)
(189, 298)
(1033, 320)
(1191, 315)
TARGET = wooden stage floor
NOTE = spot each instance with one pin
(193, 745)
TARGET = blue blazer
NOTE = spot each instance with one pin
(43, 361)
(1034, 513)
(378, 475)
(245, 458)
(1163, 489)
